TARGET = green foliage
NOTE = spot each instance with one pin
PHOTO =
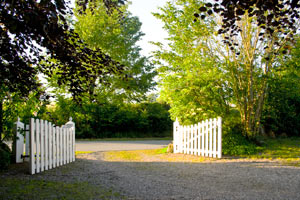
(282, 110)
(14, 106)
(287, 149)
(5, 156)
(110, 120)
(206, 74)
(191, 78)
(235, 144)
(117, 37)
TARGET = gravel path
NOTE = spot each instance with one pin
(219, 180)
(167, 180)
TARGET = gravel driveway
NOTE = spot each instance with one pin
(222, 179)
(171, 180)
(218, 180)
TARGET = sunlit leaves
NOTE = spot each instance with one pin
(31, 29)
(116, 33)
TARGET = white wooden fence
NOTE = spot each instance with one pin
(47, 145)
(203, 139)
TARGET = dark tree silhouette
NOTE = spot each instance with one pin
(272, 15)
(33, 31)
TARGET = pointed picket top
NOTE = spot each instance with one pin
(176, 123)
(70, 119)
(18, 119)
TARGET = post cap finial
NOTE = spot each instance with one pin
(70, 119)
(18, 119)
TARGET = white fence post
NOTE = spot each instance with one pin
(71, 126)
(18, 142)
(204, 138)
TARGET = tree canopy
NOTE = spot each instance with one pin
(202, 73)
(117, 37)
(33, 30)
(272, 16)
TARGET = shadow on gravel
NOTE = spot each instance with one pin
(222, 179)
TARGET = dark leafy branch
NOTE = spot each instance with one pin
(272, 16)
(34, 31)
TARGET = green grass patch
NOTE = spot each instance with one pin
(153, 155)
(125, 139)
(12, 188)
(136, 155)
(281, 148)
(284, 150)
(82, 152)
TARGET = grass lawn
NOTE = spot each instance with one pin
(284, 150)
(13, 188)
(153, 155)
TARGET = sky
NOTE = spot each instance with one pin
(151, 26)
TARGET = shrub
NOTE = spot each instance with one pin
(111, 120)
(234, 143)
(282, 109)
(5, 156)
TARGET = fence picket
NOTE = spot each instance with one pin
(46, 146)
(68, 145)
(202, 138)
(42, 131)
(215, 138)
(38, 142)
(73, 139)
(192, 140)
(50, 140)
(32, 147)
(210, 137)
(60, 146)
(27, 138)
(219, 137)
(65, 145)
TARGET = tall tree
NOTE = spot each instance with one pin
(244, 64)
(31, 29)
(191, 77)
(116, 33)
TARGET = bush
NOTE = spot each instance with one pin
(113, 120)
(281, 113)
(235, 144)
(5, 156)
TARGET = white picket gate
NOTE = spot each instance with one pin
(48, 146)
(204, 138)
